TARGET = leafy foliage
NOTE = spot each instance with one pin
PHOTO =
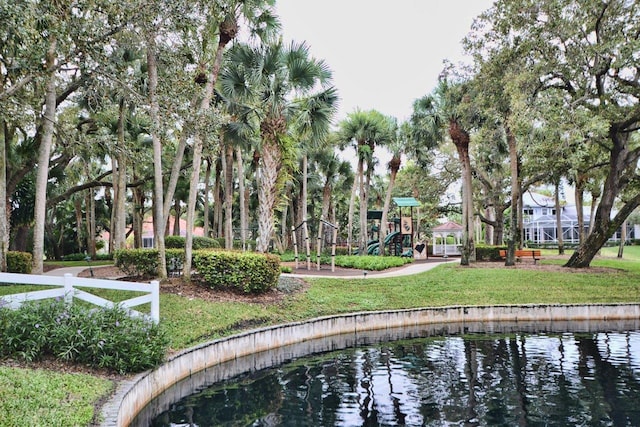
(178, 242)
(144, 262)
(102, 338)
(19, 262)
(244, 272)
(373, 263)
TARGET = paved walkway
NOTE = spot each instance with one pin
(74, 271)
(418, 266)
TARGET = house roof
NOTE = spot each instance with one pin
(532, 199)
(448, 226)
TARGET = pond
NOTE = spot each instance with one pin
(562, 374)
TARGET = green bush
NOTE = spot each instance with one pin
(98, 337)
(137, 262)
(371, 262)
(489, 253)
(242, 271)
(144, 262)
(178, 242)
(74, 257)
(19, 262)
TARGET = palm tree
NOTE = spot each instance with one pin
(397, 148)
(365, 129)
(446, 110)
(258, 12)
(312, 128)
(266, 78)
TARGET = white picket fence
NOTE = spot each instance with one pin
(70, 287)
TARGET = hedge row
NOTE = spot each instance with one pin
(241, 271)
(178, 242)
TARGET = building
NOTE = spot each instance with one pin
(539, 221)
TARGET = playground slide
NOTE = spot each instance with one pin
(374, 246)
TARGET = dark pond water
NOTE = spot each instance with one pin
(499, 379)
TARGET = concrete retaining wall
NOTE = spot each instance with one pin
(132, 396)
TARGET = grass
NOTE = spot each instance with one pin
(192, 321)
(43, 398)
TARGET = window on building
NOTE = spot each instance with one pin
(147, 242)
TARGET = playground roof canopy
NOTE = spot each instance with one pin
(404, 202)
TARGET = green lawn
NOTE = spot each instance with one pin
(191, 321)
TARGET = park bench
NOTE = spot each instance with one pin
(524, 253)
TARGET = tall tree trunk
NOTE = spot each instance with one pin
(460, 137)
(197, 160)
(498, 228)
(489, 213)
(228, 196)
(4, 213)
(242, 201)
(579, 196)
(217, 199)
(119, 217)
(514, 229)
(623, 238)
(304, 214)
(395, 166)
(559, 230)
(592, 211)
(352, 204)
(138, 216)
(362, 238)
(207, 191)
(177, 213)
(90, 220)
(270, 164)
(77, 207)
(44, 152)
(154, 113)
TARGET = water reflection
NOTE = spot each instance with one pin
(577, 378)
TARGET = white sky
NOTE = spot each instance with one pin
(384, 54)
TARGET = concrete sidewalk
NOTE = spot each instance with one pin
(74, 271)
(409, 269)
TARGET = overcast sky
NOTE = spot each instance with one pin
(383, 54)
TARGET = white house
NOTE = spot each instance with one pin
(539, 220)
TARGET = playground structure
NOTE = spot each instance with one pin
(401, 230)
(305, 231)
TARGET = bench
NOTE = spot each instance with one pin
(524, 253)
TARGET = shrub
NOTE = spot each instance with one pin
(174, 242)
(178, 242)
(144, 262)
(489, 253)
(137, 262)
(371, 262)
(19, 262)
(98, 337)
(245, 272)
(74, 257)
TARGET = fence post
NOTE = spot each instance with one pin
(68, 288)
(155, 301)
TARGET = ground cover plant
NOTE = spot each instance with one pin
(192, 319)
